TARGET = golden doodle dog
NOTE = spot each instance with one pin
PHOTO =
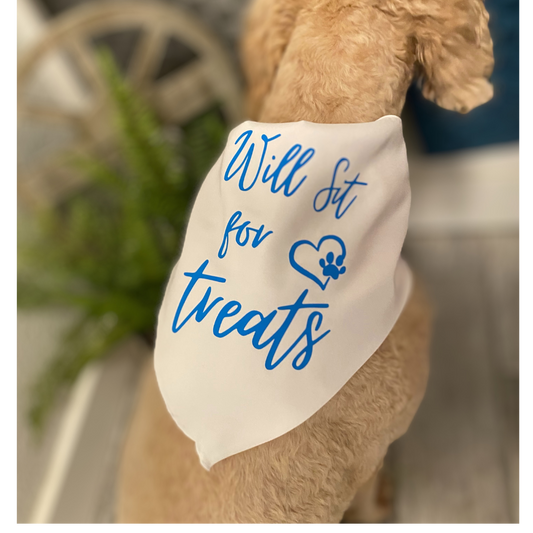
(325, 61)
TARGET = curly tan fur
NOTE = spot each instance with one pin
(339, 61)
(331, 61)
(310, 474)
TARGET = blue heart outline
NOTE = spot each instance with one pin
(306, 272)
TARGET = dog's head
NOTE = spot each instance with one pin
(311, 56)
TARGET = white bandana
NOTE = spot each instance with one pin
(290, 278)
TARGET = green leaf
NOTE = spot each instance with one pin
(108, 250)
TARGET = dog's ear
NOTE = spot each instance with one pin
(269, 25)
(453, 52)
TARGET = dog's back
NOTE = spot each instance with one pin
(332, 62)
(310, 474)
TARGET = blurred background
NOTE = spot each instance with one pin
(123, 107)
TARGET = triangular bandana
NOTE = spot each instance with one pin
(290, 278)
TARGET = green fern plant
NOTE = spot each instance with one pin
(109, 251)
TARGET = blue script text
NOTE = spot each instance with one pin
(254, 322)
(294, 156)
(242, 234)
(335, 195)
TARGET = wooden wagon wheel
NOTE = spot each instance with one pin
(176, 97)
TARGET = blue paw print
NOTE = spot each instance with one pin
(330, 269)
